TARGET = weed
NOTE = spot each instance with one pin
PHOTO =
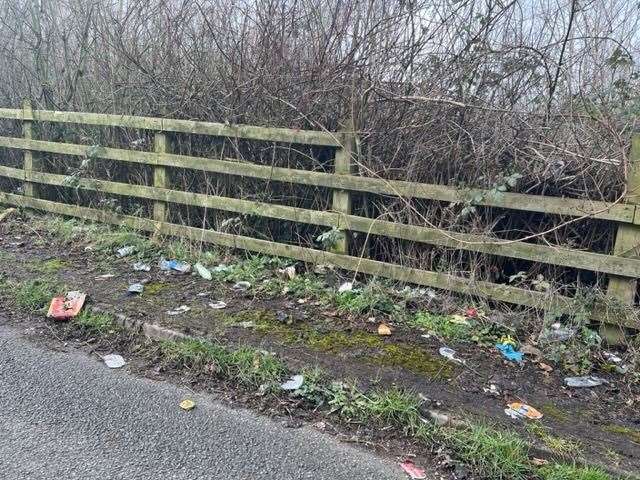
(247, 366)
(111, 240)
(252, 269)
(35, 294)
(50, 266)
(307, 286)
(560, 446)
(372, 298)
(314, 389)
(630, 433)
(96, 323)
(393, 406)
(570, 472)
(442, 326)
(494, 454)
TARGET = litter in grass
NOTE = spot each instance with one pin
(583, 382)
(221, 268)
(471, 312)
(177, 311)
(294, 383)
(282, 316)
(135, 289)
(383, 329)
(509, 352)
(67, 306)
(105, 276)
(287, 273)
(219, 305)
(450, 354)
(492, 390)
(241, 286)
(187, 404)
(557, 333)
(345, 287)
(517, 410)
(611, 357)
(114, 360)
(247, 324)
(176, 265)
(141, 267)
(203, 271)
(125, 251)
(412, 470)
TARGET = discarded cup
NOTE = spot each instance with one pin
(114, 360)
(203, 271)
(294, 383)
(583, 382)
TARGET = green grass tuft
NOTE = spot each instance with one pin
(247, 366)
(441, 326)
(570, 472)
(494, 454)
(97, 323)
(36, 294)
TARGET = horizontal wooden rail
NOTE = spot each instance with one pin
(250, 132)
(515, 201)
(476, 243)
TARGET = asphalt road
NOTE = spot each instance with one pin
(67, 416)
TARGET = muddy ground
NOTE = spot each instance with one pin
(604, 421)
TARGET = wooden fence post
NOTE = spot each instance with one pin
(30, 161)
(160, 180)
(343, 165)
(627, 244)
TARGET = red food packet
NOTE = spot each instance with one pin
(66, 307)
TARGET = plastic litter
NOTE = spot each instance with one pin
(182, 267)
(125, 251)
(509, 352)
(471, 312)
(287, 273)
(345, 287)
(187, 404)
(282, 316)
(135, 288)
(450, 354)
(241, 286)
(141, 267)
(179, 310)
(557, 333)
(383, 329)
(203, 271)
(492, 390)
(67, 306)
(294, 383)
(583, 382)
(114, 360)
(105, 276)
(219, 305)
(412, 470)
(221, 268)
(612, 357)
(517, 410)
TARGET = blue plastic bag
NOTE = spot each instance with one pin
(509, 352)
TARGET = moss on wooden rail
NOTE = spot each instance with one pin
(514, 201)
(477, 243)
(251, 132)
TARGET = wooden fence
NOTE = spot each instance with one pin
(623, 265)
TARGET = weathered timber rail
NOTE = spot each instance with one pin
(623, 265)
